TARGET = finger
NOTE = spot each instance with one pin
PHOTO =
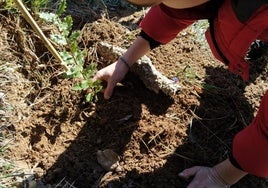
(187, 173)
(96, 77)
(99, 76)
(195, 184)
(109, 89)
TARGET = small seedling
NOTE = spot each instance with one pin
(188, 75)
(72, 55)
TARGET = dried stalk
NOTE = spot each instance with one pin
(37, 29)
(144, 68)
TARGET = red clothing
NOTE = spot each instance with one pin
(163, 23)
(250, 147)
(233, 37)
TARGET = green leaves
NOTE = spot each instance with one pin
(37, 5)
(82, 85)
(64, 25)
(74, 63)
(93, 87)
(72, 55)
(62, 7)
(87, 84)
(59, 39)
(49, 17)
(74, 36)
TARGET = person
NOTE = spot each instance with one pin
(234, 25)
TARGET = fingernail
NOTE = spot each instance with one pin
(106, 97)
(181, 174)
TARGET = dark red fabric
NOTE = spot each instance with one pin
(250, 146)
(163, 23)
(161, 27)
(264, 36)
(234, 38)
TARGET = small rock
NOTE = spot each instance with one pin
(109, 160)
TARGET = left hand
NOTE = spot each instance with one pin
(204, 177)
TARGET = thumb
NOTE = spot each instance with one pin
(187, 173)
(98, 76)
(109, 89)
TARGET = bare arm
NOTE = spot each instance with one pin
(139, 48)
(115, 72)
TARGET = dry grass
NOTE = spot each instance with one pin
(21, 70)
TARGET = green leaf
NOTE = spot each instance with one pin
(85, 84)
(82, 85)
(62, 7)
(67, 58)
(59, 39)
(74, 48)
(79, 58)
(66, 26)
(89, 97)
(74, 36)
(48, 17)
(97, 86)
(89, 71)
(76, 87)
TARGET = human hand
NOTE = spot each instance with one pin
(204, 177)
(112, 74)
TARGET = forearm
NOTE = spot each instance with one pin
(138, 49)
(229, 173)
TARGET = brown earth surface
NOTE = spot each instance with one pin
(57, 134)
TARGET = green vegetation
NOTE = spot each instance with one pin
(66, 38)
(73, 57)
(188, 75)
(77, 70)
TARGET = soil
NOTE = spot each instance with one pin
(57, 134)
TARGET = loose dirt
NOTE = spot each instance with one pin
(57, 134)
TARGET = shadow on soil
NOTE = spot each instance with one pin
(223, 112)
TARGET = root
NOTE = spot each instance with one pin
(144, 68)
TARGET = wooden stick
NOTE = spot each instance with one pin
(37, 29)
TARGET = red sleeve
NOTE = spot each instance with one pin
(264, 36)
(162, 27)
(250, 146)
(163, 23)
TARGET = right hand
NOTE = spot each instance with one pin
(204, 177)
(112, 74)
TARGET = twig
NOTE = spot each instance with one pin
(37, 29)
(41, 100)
(243, 119)
(145, 145)
(199, 120)
(175, 153)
